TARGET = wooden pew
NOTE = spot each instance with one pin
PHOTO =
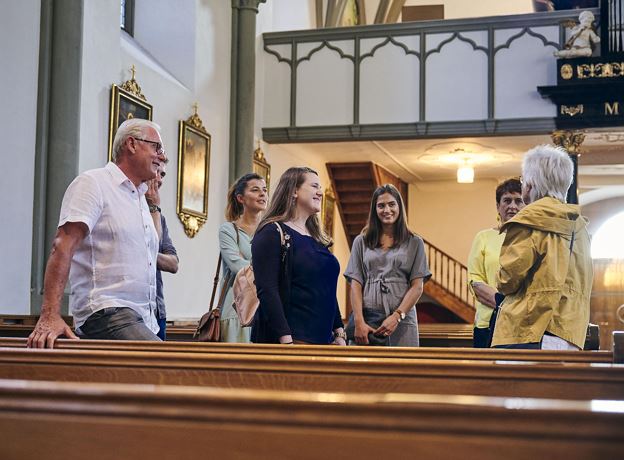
(75, 421)
(431, 335)
(488, 354)
(319, 373)
(618, 347)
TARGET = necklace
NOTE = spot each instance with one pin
(303, 231)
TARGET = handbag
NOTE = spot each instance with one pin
(209, 327)
(373, 318)
(246, 300)
(498, 299)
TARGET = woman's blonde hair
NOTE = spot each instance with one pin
(283, 204)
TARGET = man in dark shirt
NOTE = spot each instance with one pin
(167, 256)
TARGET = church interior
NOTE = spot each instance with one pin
(441, 98)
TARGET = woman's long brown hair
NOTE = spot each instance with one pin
(283, 206)
(372, 232)
(234, 208)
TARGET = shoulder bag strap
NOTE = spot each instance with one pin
(215, 282)
(281, 232)
(237, 236)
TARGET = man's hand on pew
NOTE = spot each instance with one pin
(47, 330)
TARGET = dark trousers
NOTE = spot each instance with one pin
(522, 346)
(481, 337)
(162, 332)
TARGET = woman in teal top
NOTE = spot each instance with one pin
(247, 200)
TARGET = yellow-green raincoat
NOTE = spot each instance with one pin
(546, 275)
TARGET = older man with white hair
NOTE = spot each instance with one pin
(545, 263)
(106, 245)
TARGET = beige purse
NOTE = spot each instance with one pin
(245, 296)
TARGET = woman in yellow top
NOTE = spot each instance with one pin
(483, 261)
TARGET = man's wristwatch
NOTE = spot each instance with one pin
(154, 208)
(401, 315)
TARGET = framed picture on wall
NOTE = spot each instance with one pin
(127, 101)
(193, 173)
(328, 211)
(261, 166)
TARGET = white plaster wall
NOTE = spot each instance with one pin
(291, 15)
(389, 82)
(325, 85)
(449, 215)
(166, 31)
(108, 55)
(19, 59)
(520, 69)
(273, 85)
(456, 78)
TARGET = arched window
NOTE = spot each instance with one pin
(126, 17)
(608, 242)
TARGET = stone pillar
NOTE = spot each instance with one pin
(58, 127)
(571, 141)
(243, 80)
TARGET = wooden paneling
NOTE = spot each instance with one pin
(422, 13)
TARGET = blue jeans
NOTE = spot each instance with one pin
(162, 332)
(116, 323)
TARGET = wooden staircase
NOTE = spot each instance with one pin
(353, 185)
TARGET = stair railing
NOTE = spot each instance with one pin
(449, 273)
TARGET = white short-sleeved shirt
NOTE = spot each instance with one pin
(115, 264)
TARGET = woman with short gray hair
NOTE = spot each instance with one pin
(545, 263)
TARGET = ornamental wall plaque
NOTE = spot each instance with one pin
(193, 174)
(127, 101)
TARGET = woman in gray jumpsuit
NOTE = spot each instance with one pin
(387, 270)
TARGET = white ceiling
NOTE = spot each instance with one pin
(601, 163)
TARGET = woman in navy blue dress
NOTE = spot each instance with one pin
(295, 274)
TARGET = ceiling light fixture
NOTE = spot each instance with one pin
(465, 174)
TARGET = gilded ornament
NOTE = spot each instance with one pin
(132, 86)
(571, 141)
(572, 110)
(195, 121)
(566, 71)
(191, 224)
(600, 70)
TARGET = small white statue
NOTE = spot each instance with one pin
(583, 37)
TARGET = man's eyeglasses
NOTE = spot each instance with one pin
(157, 145)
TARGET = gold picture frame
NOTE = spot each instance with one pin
(127, 101)
(328, 211)
(261, 166)
(194, 144)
